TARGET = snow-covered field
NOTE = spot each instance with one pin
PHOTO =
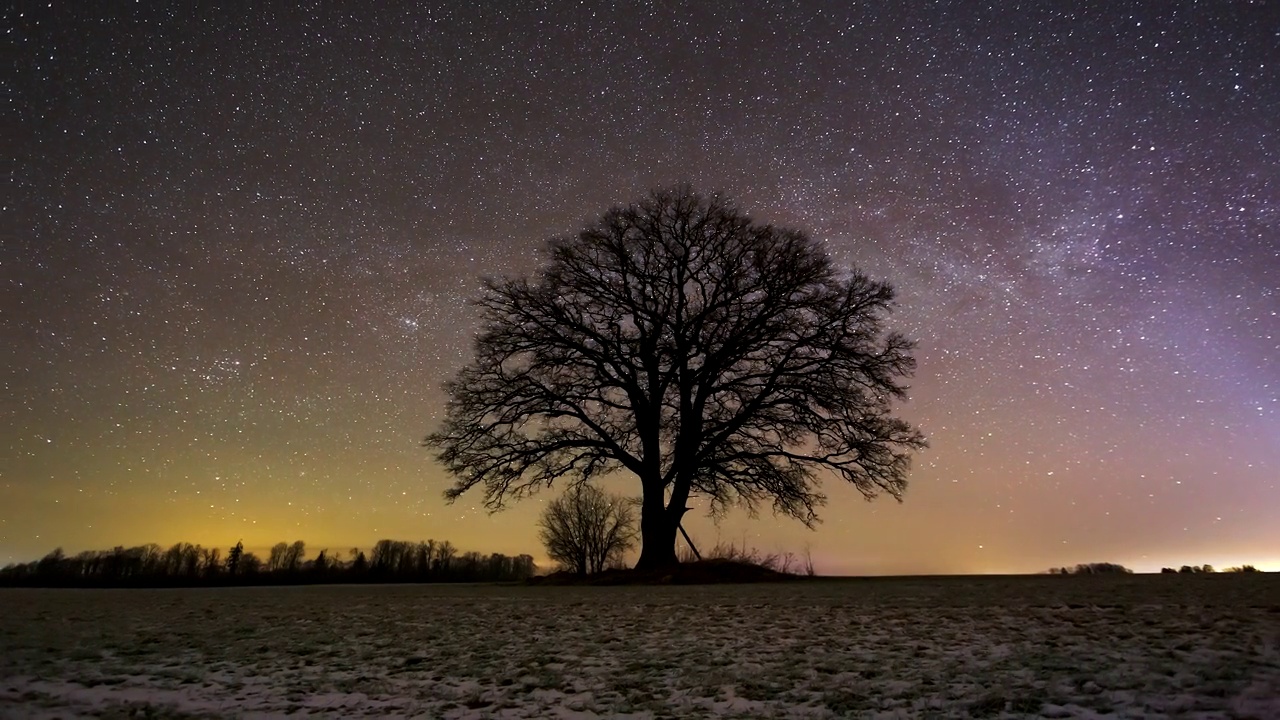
(1125, 647)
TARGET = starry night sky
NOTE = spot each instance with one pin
(238, 251)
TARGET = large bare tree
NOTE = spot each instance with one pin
(702, 352)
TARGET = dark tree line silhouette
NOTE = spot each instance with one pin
(1094, 568)
(186, 565)
(1204, 569)
(1114, 569)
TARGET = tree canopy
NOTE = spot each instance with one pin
(702, 352)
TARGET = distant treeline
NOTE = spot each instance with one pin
(1097, 568)
(1114, 569)
(1198, 569)
(184, 565)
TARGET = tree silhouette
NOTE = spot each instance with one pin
(275, 559)
(585, 529)
(321, 564)
(358, 562)
(233, 557)
(445, 553)
(211, 561)
(703, 352)
(422, 558)
(250, 564)
(294, 555)
(52, 564)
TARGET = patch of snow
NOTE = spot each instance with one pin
(1138, 647)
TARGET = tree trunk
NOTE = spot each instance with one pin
(657, 544)
(657, 532)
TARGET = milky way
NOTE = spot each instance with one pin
(239, 250)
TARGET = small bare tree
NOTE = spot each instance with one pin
(587, 530)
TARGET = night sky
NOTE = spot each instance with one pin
(239, 248)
